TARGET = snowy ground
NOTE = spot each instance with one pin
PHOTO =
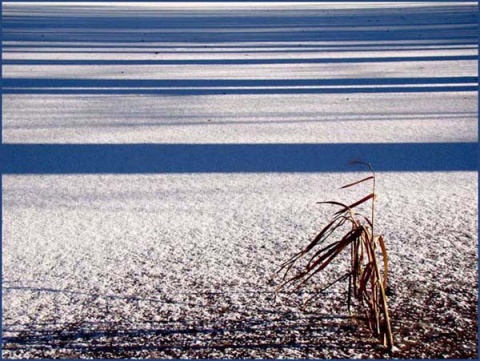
(179, 263)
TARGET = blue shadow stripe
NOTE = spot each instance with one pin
(187, 87)
(221, 83)
(233, 158)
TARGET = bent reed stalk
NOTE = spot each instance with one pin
(367, 279)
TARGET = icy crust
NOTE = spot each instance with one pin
(246, 73)
(233, 119)
(182, 266)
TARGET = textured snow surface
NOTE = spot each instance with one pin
(176, 261)
(181, 265)
(234, 74)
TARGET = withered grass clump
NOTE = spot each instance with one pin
(367, 277)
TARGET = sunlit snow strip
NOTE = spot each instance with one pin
(245, 4)
(422, 43)
(219, 29)
(220, 50)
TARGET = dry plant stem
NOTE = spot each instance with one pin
(388, 336)
(366, 282)
(388, 341)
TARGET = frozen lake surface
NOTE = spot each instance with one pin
(183, 150)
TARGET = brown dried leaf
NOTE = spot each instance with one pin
(357, 182)
(357, 203)
(381, 242)
(363, 163)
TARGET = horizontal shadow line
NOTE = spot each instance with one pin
(187, 87)
(193, 1)
(233, 158)
(221, 83)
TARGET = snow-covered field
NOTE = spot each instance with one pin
(177, 261)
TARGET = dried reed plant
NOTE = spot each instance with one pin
(367, 277)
